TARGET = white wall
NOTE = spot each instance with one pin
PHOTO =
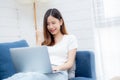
(8, 21)
(16, 22)
(26, 22)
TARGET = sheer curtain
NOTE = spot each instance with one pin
(110, 51)
(107, 16)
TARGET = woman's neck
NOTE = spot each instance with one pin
(58, 37)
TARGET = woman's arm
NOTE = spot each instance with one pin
(69, 63)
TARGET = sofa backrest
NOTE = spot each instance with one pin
(85, 64)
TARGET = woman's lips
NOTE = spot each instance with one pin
(52, 30)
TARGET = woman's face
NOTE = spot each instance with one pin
(53, 25)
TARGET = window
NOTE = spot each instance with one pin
(111, 8)
(107, 12)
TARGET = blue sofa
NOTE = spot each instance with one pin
(85, 66)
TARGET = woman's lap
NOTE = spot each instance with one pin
(38, 76)
(58, 76)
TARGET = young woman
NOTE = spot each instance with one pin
(61, 47)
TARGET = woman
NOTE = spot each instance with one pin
(61, 47)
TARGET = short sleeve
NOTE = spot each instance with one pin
(72, 42)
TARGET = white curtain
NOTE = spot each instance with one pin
(110, 51)
(107, 38)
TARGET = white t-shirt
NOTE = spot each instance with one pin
(59, 52)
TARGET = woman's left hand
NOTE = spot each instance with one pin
(55, 68)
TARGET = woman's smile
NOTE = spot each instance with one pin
(52, 30)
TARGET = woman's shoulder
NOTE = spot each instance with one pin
(71, 40)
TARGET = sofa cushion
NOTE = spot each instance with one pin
(6, 66)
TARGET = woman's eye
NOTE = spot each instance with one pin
(53, 23)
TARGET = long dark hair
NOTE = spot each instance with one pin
(48, 37)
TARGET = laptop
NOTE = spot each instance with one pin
(31, 59)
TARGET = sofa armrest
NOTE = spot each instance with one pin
(85, 65)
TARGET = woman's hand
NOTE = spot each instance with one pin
(55, 68)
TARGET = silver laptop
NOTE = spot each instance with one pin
(31, 59)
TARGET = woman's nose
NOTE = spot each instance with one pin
(50, 26)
